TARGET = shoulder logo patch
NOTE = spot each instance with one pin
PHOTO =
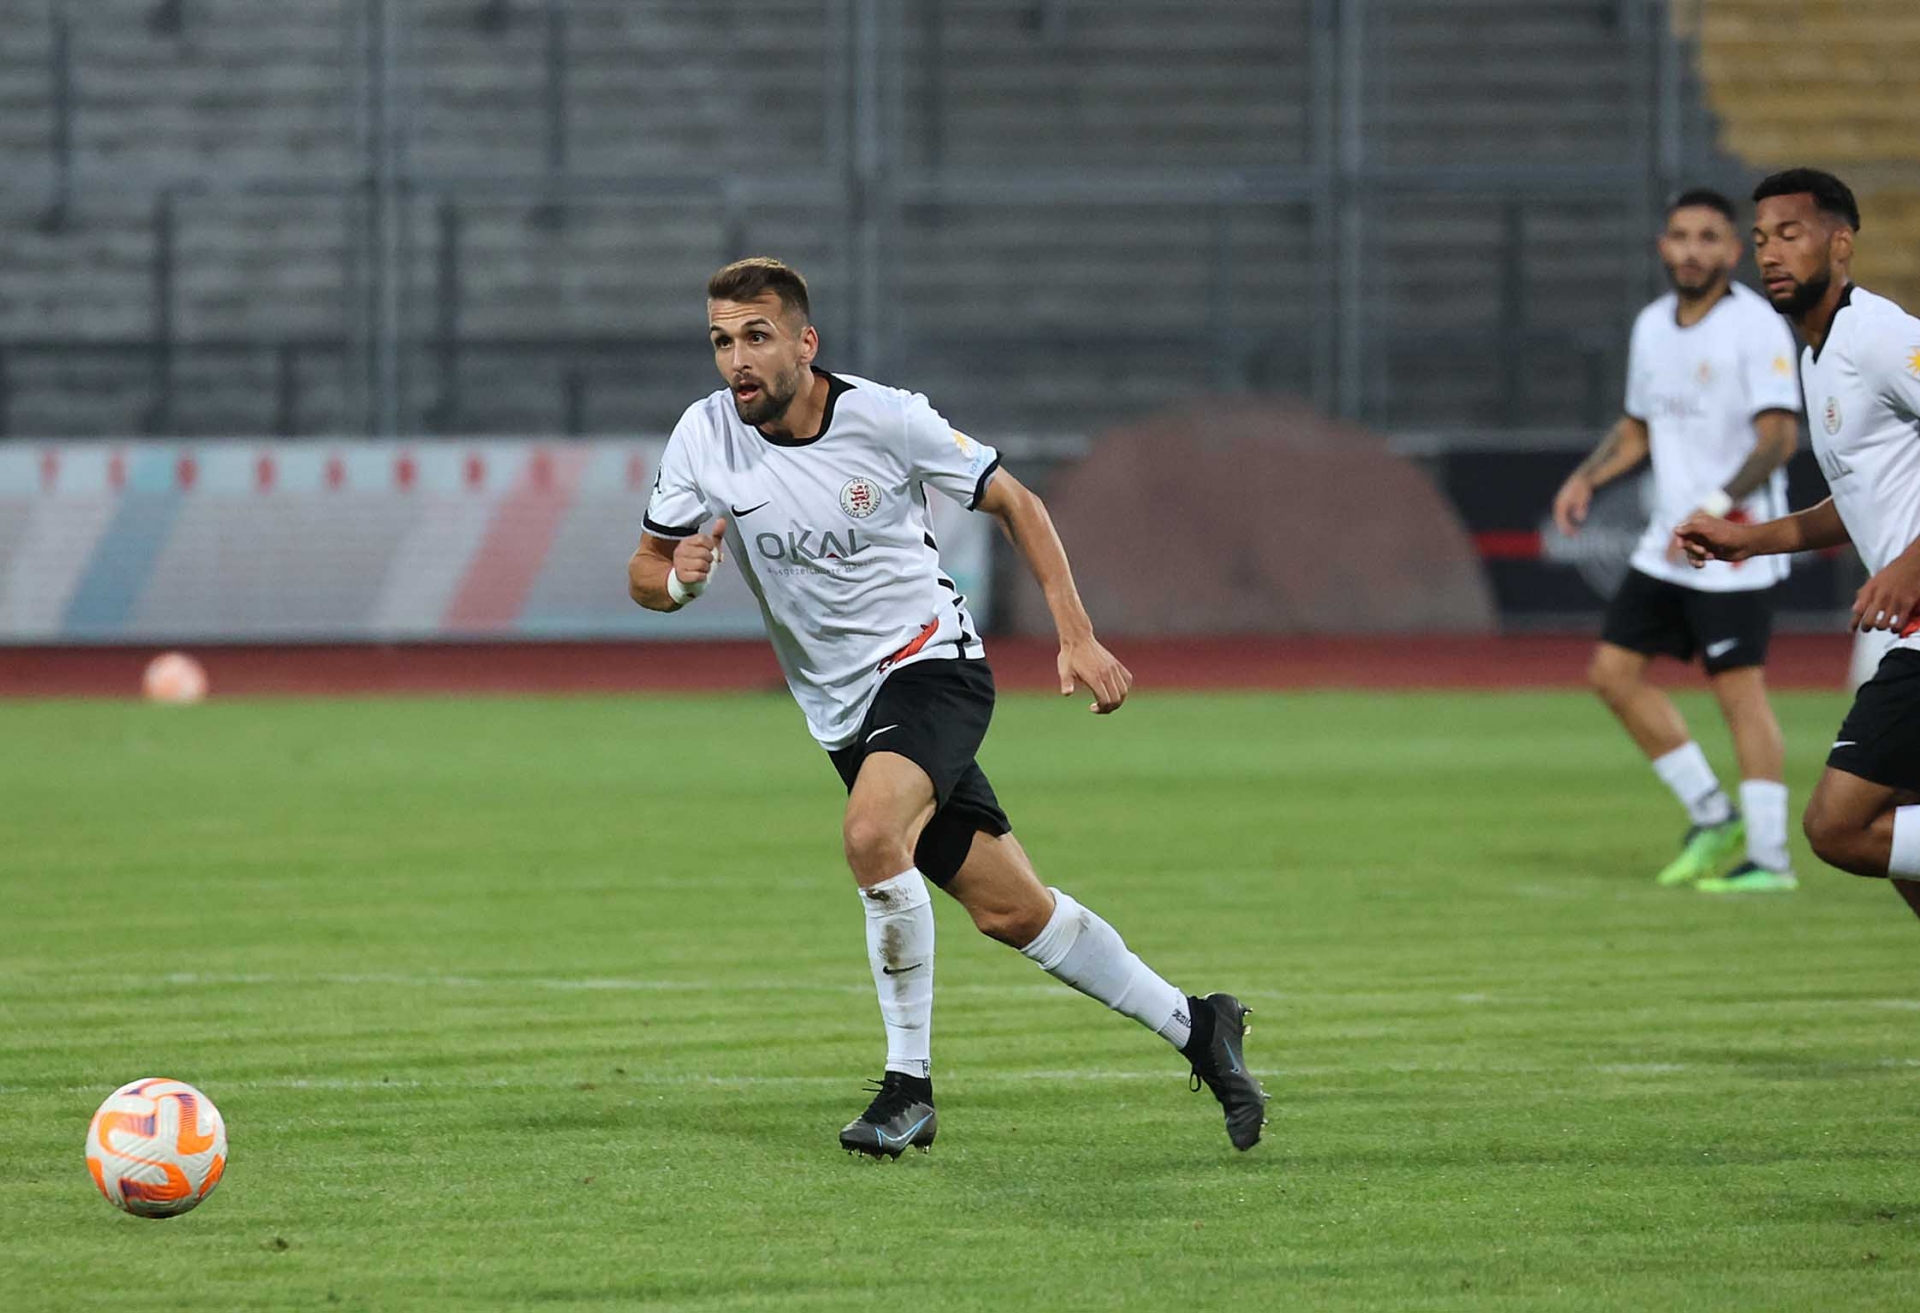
(1913, 362)
(860, 498)
(1784, 367)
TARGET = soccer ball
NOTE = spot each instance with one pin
(174, 677)
(157, 1147)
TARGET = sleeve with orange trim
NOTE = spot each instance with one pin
(942, 457)
(1766, 364)
(1892, 367)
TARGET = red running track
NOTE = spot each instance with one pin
(1817, 661)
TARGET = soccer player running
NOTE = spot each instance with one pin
(1861, 369)
(816, 483)
(1712, 399)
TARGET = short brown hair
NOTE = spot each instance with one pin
(746, 280)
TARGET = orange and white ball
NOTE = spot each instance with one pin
(156, 1147)
(174, 677)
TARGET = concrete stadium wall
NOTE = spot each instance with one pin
(236, 307)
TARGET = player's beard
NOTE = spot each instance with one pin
(1707, 284)
(776, 394)
(1805, 295)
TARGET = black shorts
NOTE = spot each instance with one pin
(1880, 739)
(935, 714)
(1656, 618)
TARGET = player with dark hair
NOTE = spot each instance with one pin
(816, 483)
(1861, 369)
(1711, 398)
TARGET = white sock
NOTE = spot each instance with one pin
(1764, 804)
(1904, 862)
(1686, 772)
(1082, 950)
(900, 951)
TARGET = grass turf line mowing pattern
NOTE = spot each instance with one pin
(522, 1002)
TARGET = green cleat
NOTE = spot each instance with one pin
(1705, 851)
(1749, 878)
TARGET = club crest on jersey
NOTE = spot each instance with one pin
(1704, 375)
(1832, 416)
(860, 498)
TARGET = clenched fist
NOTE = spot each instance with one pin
(694, 558)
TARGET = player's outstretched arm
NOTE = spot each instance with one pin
(659, 563)
(1624, 447)
(1082, 659)
(1710, 538)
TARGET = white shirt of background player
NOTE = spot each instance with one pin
(1711, 397)
(1701, 390)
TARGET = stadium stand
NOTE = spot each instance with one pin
(563, 193)
(1831, 83)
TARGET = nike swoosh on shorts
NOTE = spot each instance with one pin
(882, 730)
(1722, 647)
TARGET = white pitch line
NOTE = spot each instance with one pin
(641, 984)
(592, 984)
(620, 984)
(610, 1084)
(1642, 1068)
(588, 984)
(591, 1082)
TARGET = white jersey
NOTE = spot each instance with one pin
(833, 536)
(1697, 390)
(1863, 405)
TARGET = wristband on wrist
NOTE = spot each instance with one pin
(1717, 503)
(683, 593)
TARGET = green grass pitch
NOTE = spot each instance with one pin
(519, 1003)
